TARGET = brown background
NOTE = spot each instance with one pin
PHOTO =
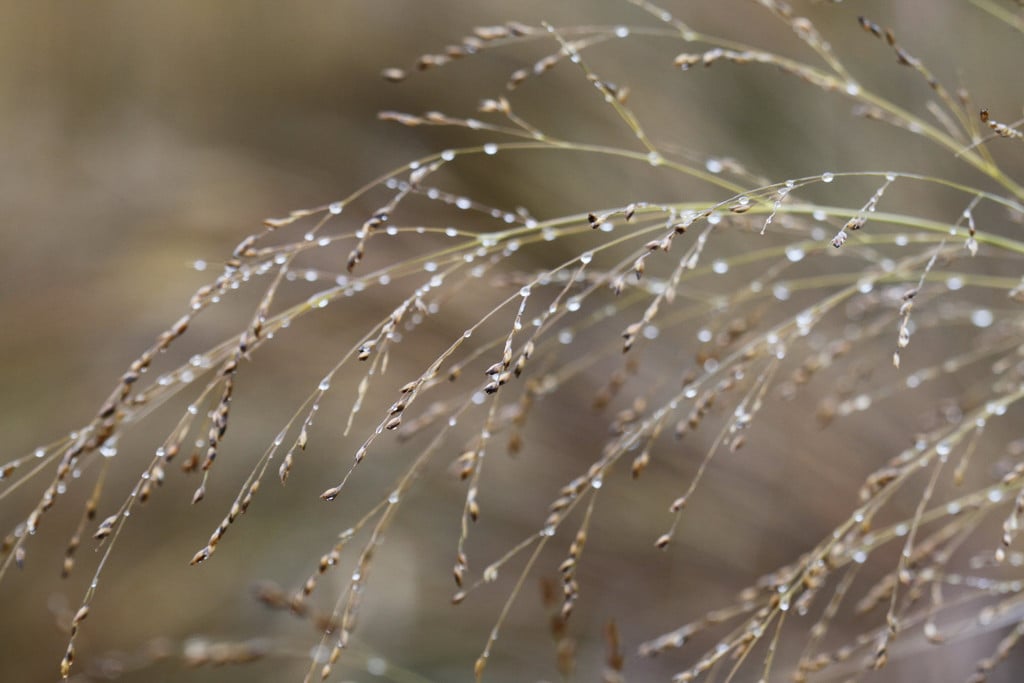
(140, 136)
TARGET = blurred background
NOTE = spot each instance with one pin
(139, 138)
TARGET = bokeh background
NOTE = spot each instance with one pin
(139, 137)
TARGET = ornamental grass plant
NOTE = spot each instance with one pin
(690, 347)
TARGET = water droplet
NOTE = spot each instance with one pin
(325, 384)
(490, 149)
(376, 666)
(713, 166)
(720, 267)
(997, 409)
(621, 32)
(524, 291)
(199, 265)
(827, 177)
(336, 208)
(982, 318)
(804, 320)
(586, 257)
(448, 155)
(794, 253)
